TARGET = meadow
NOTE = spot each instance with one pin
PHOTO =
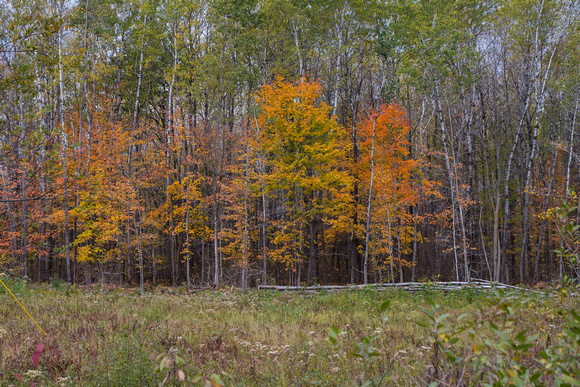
(109, 336)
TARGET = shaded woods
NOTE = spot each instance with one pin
(286, 141)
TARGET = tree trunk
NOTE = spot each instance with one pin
(63, 155)
(187, 264)
(24, 231)
(449, 172)
(544, 221)
(370, 201)
(338, 26)
(172, 242)
(138, 228)
(216, 277)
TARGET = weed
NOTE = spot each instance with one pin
(109, 337)
(124, 361)
(56, 282)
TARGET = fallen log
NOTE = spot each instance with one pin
(409, 286)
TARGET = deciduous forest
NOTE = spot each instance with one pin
(244, 142)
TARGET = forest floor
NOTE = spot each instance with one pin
(109, 336)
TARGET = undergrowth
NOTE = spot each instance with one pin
(508, 339)
(111, 336)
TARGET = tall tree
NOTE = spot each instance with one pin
(304, 153)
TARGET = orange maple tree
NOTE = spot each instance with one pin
(396, 181)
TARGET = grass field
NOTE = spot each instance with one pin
(114, 337)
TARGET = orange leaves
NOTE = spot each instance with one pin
(396, 179)
(392, 126)
(395, 170)
(103, 192)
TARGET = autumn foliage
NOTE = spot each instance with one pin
(305, 172)
(397, 184)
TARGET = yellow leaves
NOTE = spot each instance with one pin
(296, 131)
(100, 213)
(176, 190)
(305, 161)
(93, 253)
(4, 258)
(84, 253)
(181, 201)
(102, 197)
(187, 188)
(552, 214)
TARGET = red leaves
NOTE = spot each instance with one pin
(37, 353)
(40, 348)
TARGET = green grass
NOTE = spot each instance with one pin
(113, 337)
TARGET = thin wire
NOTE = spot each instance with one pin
(23, 308)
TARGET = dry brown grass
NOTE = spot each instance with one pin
(111, 337)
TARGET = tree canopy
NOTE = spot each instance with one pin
(287, 141)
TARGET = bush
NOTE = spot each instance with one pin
(493, 347)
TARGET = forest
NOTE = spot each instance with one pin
(244, 142)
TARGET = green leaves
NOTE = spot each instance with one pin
(365, 349)
(171, 365)
(385, 306)
(333, 334)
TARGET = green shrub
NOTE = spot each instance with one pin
(493, 346)
(126, 363)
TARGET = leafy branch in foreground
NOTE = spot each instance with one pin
(569, 231)
(171, 365)
(366, 349)
(487, 348)
(490, 348)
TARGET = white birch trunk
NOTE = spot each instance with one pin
(370, 201)
(63, 155)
